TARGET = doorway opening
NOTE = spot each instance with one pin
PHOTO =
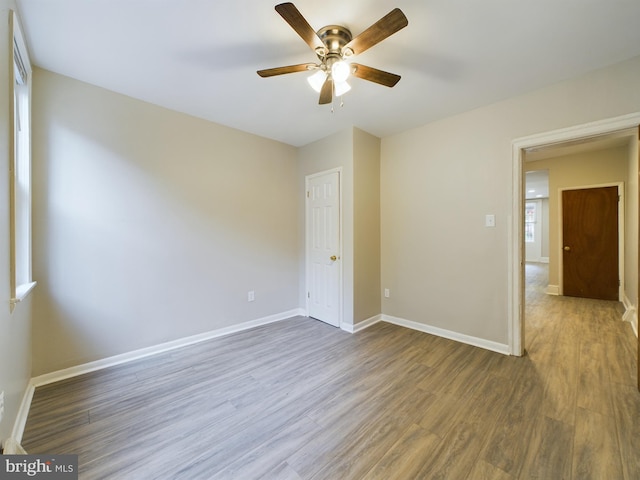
(624, 128)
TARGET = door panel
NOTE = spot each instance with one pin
(323, 211)
(590, 243)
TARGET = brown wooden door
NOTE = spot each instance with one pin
(590, 243)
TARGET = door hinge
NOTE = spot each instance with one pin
(308, 194)
(308, 295)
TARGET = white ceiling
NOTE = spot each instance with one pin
(537, 184)
(200, 56)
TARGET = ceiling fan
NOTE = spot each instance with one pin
(333, 45)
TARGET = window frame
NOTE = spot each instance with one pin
(20, 189)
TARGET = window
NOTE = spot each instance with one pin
(20, 169)
(529, 222)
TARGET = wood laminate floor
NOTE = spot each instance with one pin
(302, 400)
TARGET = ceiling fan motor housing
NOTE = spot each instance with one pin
(334, 38)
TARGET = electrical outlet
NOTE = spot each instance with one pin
(251, 296)
(1, 405)
(386, 293)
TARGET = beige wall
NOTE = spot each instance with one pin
(357, 153)
(15, 328)
(366, 220)
(571, 171)
(334, 151)
(151, 225)
(443, 266)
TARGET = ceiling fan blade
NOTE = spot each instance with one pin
(385, 27)
(374, 75)
(301, 67)
(293, 17)
(326, 94)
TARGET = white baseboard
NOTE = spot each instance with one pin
(538, 260)
(552, 290)
(630, 314)
(11, 446)
(440, 332)
(361, 325)
(23, 413)
(161, 348)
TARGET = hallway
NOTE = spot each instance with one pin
(587, 357)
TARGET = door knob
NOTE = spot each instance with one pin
(333, 258)
(567, 248)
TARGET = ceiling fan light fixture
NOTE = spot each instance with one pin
(333, 44)
(341, 88)
(340, 71)
(317, 80)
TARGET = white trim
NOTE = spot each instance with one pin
(23, 291)
(23, 413)
(440, 332)
(576, 132)
(307, 249)
(630, 314)
(516, 260)
(161, 348)
(20, 212)
(552, 290)
(18, 37)
(361, 325)
(633, 320)
(539, 260)
(515, 302)
(12, 447)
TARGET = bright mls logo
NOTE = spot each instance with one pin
(51, 467)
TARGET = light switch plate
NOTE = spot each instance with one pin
(490, 221)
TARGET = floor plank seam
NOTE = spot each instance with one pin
(301, 400)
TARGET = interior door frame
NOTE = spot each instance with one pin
(516, 259)
(621, 231)
(307, 242)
